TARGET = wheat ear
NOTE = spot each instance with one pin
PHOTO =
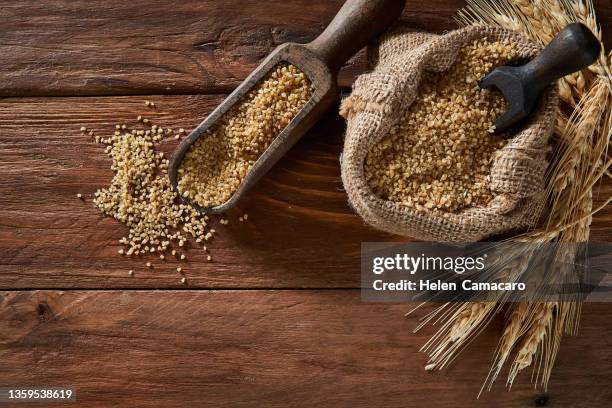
(457, 332)
(510, 336)
(533, 341)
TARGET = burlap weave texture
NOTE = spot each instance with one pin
(381, 97)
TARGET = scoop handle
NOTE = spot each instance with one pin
(357, 22)
(573, 49)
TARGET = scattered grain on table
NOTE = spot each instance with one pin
(140, 195)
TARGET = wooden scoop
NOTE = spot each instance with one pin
(573, 49)
(357, 22)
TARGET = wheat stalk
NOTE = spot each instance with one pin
(540, 20)
(539, 328)
(577, 136)
(510, 336)
(468, 320)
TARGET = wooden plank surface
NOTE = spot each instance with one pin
(221, 348)
(64, 47)
(266, 348)
(296, 235)
(300, 233)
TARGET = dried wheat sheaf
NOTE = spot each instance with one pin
(580, 162)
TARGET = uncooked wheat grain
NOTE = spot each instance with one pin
(438, 157)
(218, 161)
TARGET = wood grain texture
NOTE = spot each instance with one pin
(219, 348)
(300, 233)
(266, 348)
(65, 47)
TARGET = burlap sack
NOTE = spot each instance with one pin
(381, 97)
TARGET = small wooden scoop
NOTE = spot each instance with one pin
(357, 22)
(573, 49)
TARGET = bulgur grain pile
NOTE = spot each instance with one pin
(141, 197)
(439, 154)
(217, 163)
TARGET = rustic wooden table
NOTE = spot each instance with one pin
(276, 319)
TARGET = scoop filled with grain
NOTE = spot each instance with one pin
(420, 158)
(272, 109)
(217, 163)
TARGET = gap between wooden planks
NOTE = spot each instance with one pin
(272, 348)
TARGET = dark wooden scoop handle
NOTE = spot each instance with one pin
(573, 49)
(356, 24)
